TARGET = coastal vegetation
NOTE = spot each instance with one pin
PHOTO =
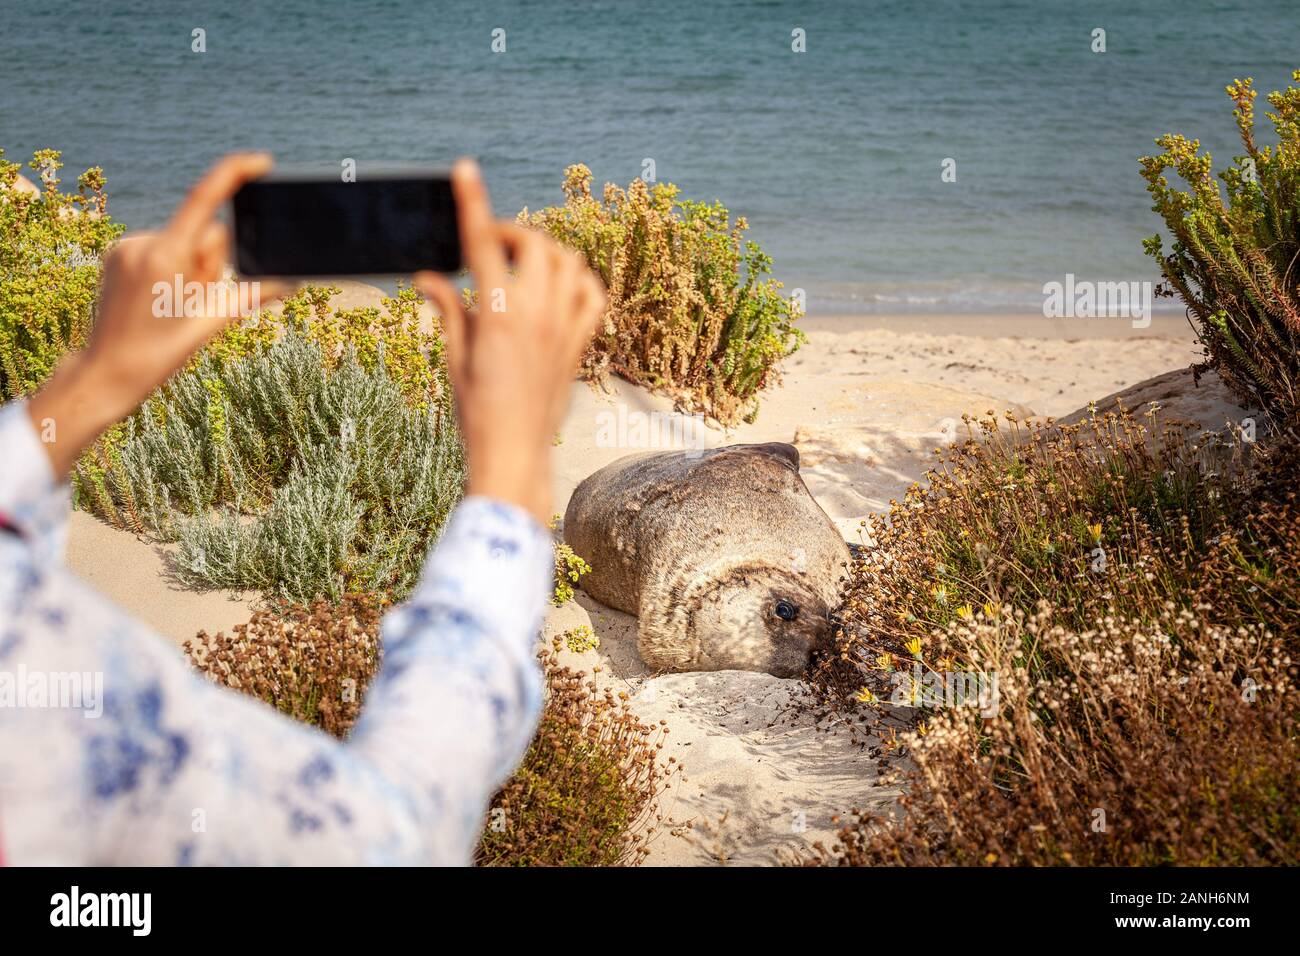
(1234, 263)
(1132, 584)
(310, 454)
(587, 789)
(587, 792)
(50, 248)
(315, 457)
(1099, 626)
(693, 310)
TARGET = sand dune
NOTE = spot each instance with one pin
(867, 404)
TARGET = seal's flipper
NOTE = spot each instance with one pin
(659, 643)
(670, 594)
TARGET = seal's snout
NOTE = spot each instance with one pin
(793, 658)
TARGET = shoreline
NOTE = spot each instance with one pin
(1002, 324)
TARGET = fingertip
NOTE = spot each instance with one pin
(246, 165)
(259, 164)
(466, 170)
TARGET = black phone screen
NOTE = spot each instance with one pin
(327, 227)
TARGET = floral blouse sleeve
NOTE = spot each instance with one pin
(113, 751)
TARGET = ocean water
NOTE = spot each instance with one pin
(834, 155)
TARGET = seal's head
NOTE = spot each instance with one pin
(749, 617)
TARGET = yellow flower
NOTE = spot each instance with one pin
(991, 858)
(581, 639)
(940, 594)
(866, 696)
(992, 609)
(1095, 531)
(965, 612)
(914, 647)
(920, 729)
(885, 662)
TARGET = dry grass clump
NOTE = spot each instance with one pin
(693, 312)
(1138, 603)
(1121, 744)
(586, 789)
(313, 664)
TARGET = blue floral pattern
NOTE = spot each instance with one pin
(176, 770)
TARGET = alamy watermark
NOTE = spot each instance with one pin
(133, 911)
(1083, 299)
(624, 428)
(69, 690)
(178, 298)
(934, 690)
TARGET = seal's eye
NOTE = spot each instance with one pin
(786, 611)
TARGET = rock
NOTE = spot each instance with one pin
(1177, 397)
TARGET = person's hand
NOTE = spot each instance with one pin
(512, 362)
(136, 345)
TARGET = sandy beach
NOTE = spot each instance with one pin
(866, 401)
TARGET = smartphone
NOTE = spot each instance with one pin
(308, 223)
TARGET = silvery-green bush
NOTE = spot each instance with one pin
(284, 473)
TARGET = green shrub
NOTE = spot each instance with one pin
(1234, 264)
(412, 355)
(693, 312)
(50, 249)
(287, 471)
(569, 569)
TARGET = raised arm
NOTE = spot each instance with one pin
(157, 751)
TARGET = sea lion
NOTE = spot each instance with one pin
(723, 556)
